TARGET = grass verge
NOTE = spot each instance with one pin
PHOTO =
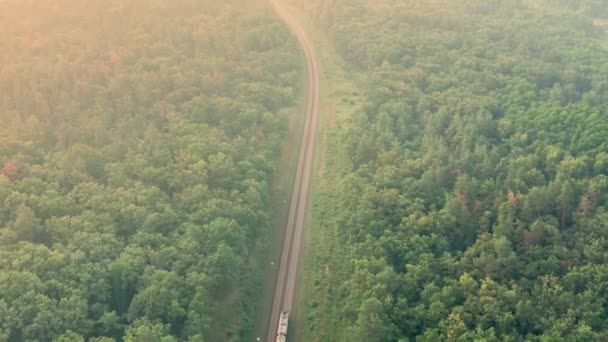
(269, 251)
(339, 99)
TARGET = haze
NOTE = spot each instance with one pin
(283, 170)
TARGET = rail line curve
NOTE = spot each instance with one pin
(288, 265)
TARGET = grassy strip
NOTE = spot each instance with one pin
(269, 250)
(339, 98)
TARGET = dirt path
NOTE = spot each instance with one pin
(288, 266)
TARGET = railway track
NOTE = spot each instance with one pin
(288, 265)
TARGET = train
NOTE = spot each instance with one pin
(282, 330)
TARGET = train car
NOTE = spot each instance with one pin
(282, 330)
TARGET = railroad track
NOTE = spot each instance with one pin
(288, 265)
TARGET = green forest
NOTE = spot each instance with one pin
(467, 199)
(461, 195)
(138, 144)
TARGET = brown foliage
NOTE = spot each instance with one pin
(585, 206)
(457, 173)
(11, 170)
(462, 199)
(115, 58)
(478, 207)
(512, 198)
(532, 238)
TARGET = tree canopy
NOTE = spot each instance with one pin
(468, 197)
(137, 145)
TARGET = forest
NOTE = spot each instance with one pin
(467, 199)
(138, 144)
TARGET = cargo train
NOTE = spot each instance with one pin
(282, 330)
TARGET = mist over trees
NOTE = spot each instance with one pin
(468, 199)
(137, 145)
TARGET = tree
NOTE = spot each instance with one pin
(27, 226)
(11, 169)
(371, 322)
(69, 336)
(144, 331)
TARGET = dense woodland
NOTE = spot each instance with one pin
(468, 199)
(138, 141)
